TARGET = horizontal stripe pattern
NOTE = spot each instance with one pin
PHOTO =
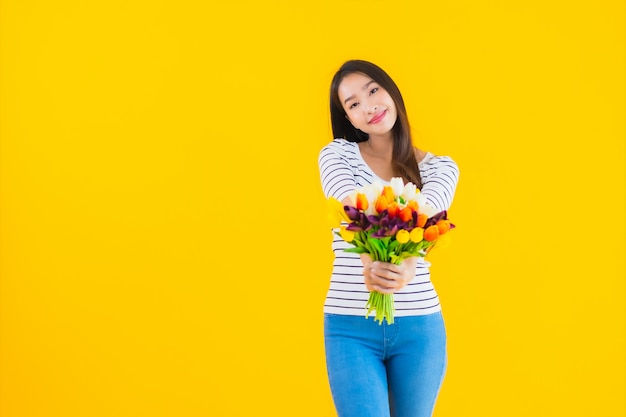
(343, 170)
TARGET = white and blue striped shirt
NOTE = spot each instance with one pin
(342, 170)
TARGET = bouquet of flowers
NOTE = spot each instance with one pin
(389, 223)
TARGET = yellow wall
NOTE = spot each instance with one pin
(164, 249)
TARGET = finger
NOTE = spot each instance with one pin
(389, 267)
(385, 273)
(382, 282)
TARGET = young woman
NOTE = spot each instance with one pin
(379, 370)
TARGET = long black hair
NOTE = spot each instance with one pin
(403, 161)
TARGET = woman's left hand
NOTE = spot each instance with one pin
(385, 277)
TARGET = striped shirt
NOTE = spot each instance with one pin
(342, 170)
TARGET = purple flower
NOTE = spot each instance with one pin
(442, 215)
(351, 212)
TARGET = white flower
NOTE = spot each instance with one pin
(410, 191)
(427, 209)
(421, 199)
(377, 186)
(397, 185)
(372, 191)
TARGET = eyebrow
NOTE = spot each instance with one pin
(364, 88)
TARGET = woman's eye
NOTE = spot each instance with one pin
(353, 105)
(375, 89)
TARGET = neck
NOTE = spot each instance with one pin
(380, 145)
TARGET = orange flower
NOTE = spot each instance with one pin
(361, 202)
(413, 205)
(421, 220)
(388, 193)
(431, 234)
(381, 204)
(393, 209)
(406, 214)
(443, 226)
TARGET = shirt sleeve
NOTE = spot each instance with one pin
(440, 179)
(336, 174)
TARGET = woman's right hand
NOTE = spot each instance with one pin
(385, 277)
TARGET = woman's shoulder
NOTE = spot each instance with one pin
(431, 161)
(340, 143)
(340, 146)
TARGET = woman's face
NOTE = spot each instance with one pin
(367, 105)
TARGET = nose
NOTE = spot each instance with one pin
(371, 108)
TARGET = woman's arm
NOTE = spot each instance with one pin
(336, 174)
(440, 178)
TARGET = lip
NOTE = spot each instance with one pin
(377, 118)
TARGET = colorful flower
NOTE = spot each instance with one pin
(390, 223)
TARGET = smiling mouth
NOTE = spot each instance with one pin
(377, 118)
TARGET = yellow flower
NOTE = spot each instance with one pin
(336, 213)
(402, 236)
(347, 235)
(417, 235)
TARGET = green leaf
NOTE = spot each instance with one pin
(358, 249)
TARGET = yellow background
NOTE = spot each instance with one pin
(164, 245)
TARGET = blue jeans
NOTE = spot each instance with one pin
(385, 370)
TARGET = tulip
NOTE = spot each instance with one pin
(432, 220)
(443, 226)
(431, 233)
(421, 220)
(375, 220)
(417, 235)
(381, 204)
(420, 198)
(388, 193)
(427, 209)
(402, 236)
(409, 192)
(397, 185)
(393, 209)
(336, 213)
(406, 214)
(351, 212)
(372, 191)
(346, 234)
(361, 202)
